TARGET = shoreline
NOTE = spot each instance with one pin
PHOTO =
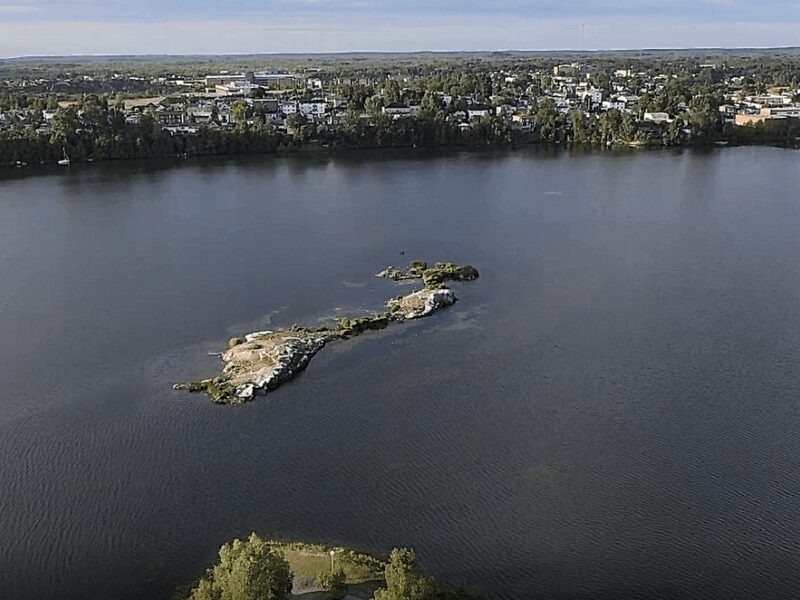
(331, 152)
(310, 563)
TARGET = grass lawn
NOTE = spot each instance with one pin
(309, 560)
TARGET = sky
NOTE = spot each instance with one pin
(50, 27)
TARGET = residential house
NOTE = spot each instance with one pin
(288, 107)
(312, 109)
(397, 109)
(614, 104)
(522, 121)
(594, 95)
(142, 103)
(505, 110)
(476, 111)
(203, 113)
(752, 119)
(170, 116)
(181, 129)
(657, 117)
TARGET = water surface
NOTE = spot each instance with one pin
(611, 411)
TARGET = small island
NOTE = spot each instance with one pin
(262, 361)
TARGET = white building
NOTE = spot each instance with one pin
(594, 95)
(614, 104)
(397, 109)
(478, 111)
(657, 117)
(313, 108)
(288, 108)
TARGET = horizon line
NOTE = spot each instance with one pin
(401, 52)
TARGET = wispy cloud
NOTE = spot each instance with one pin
(126, 26)
(153, 10)
(306, 34)
(17, 9)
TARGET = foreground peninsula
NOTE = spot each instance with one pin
(262, 361)
(258, 568)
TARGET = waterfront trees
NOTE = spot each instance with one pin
(96, 125)
(248, 569)
(403, 579)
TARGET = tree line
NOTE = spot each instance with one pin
(93, 129)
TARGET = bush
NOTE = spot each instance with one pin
(335, 583)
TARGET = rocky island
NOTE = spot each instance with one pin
(262, 361)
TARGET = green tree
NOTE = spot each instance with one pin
(296, 123)
(351, 125)
(65, 122)
(248, 569)
(627, 127)
(239, 112)
(673, 136)
(546, 120)
(403, 580)
(610, 124)
(581, 132)
(391, 91)
(703, 116)
(373, 105)
(430, 103)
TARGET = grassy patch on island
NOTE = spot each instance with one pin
(307, 561)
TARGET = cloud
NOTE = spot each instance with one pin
(152, 10)
(244, 26)
(365, 33)
(17, 9)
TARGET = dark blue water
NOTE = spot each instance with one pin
(611, 411)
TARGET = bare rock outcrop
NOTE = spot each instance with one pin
(264, 360)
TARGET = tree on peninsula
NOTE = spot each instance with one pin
(403, 579)
(247, 570)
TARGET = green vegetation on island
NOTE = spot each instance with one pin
(260, 569)
(262, 361)
(432, 277)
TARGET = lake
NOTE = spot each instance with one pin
(611, 411)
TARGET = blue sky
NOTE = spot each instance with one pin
(204, 26)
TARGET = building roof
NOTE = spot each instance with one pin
(142, 102)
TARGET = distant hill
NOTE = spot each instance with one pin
(424, 55)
